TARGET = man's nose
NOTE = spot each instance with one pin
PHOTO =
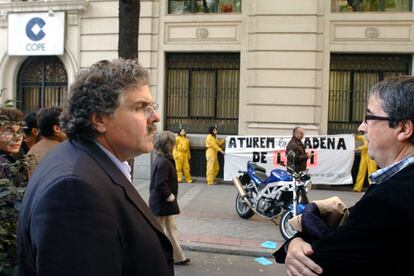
(155, 117)
(362, 127)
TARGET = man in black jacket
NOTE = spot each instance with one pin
(81, 215)
(298, 162)
(378, 235)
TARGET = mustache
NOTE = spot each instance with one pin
(151, 129)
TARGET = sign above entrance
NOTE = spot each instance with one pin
(36, 34)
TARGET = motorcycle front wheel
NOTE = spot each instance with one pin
(285, 228)
(242, 209)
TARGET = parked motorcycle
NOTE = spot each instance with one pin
(282, 194)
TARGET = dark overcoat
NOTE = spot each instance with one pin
(163, 183)
(82, 216)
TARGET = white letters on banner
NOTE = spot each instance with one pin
(333, 156)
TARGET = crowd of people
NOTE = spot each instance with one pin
(81, 215)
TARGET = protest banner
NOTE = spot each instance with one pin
(333, 156)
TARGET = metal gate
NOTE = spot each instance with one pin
(351, 77)
(42, 82)
(202, 90)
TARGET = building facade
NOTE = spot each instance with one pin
(252, 67)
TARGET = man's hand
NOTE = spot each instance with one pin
(297, 261)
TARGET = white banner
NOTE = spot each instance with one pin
(331, 164)
(36, 34)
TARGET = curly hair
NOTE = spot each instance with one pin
(99, 89)
(11, 115)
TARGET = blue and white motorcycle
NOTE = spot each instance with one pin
(277, 197)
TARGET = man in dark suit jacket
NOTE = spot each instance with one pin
(378, 235)
(81, 214)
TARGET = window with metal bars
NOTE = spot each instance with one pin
(350, 80)
(371, 5)
(204, 6)
(203, 90)
(42, 81)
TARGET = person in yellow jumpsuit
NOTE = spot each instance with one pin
(182, 155)
(366, 163)
(212, 147)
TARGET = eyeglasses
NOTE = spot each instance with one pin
(369, 117)
(149, 110)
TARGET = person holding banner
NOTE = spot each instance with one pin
(213, 146)
(366, 164)
(296, 145)
(182, 155)
(379, 229)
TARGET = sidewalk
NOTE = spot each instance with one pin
(208, 221)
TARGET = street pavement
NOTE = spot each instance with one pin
(209, 223)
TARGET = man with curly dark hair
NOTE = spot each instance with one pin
(81, 214)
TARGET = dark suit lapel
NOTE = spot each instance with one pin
(119, 179)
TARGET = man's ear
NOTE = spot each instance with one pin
(56, 128)
(35, 132)
(98, 122)
(407, 130)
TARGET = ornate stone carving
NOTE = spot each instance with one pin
(202, 33)
(372, 32)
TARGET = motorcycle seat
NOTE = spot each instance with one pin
(257, 168)
(261, 175)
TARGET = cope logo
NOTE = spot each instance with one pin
(34, 31)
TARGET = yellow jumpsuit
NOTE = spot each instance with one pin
(366, 164)
(182, 155)
(213, 146)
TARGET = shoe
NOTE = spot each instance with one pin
(190, 181)
(184, 262)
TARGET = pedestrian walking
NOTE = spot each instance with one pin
(81, 215)
(182, 156)
(164, 191)
(366, 164)
(213, 146)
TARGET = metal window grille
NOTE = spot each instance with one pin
(203, 91)
(204, 6)
(371, 5)
(42, 82)
(351, 77)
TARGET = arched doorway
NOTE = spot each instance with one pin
(42, 81)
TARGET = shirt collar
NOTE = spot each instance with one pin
(386, 173)
(124, 167)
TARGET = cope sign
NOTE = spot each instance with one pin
(34, 31)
